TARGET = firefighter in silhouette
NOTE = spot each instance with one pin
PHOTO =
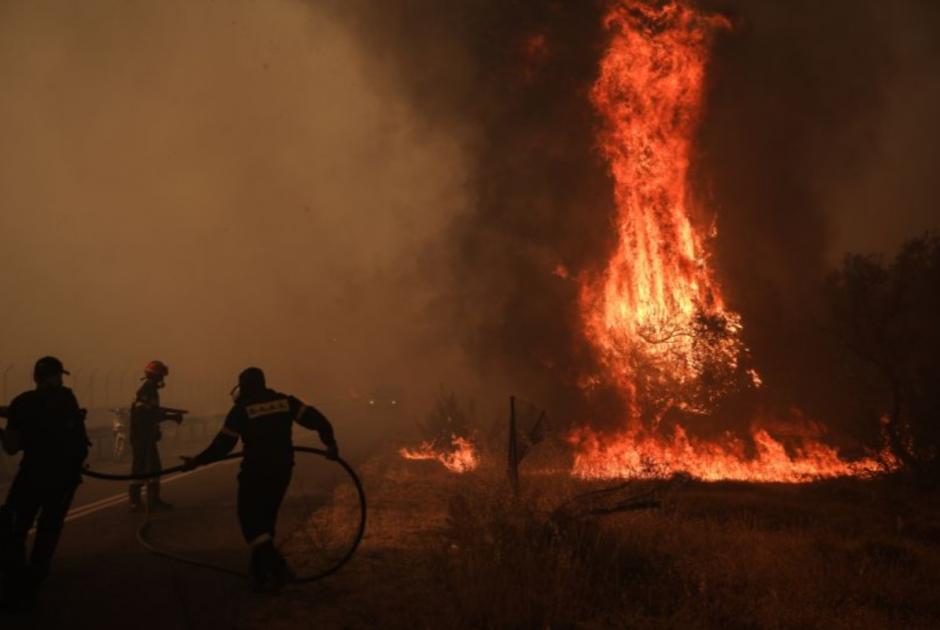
(146, 416)
(263, 419)
(48, 426)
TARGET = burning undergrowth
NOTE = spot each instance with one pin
(449, 435)
(460, 456)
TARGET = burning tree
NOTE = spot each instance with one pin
(663, 334)
(656, 315)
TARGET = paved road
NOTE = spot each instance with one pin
(103, 578)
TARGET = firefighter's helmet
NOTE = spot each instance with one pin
(251, 380)
(157, 369)
(46, 367)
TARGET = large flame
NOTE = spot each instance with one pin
(461, 458)
(639, 454)
(665, 338)
(651, 312)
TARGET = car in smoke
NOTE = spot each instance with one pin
(386, 397)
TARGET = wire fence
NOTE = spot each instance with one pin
(101, 388)
(111, 444)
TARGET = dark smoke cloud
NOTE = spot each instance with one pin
(818, 137)
(513, 76)
(806, 152)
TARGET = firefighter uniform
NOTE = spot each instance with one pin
(144, 434)
(146, 416)
(263, 419)
(50, 430)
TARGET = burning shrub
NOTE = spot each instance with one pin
(448, 418)
(460, 457)
(448, 435)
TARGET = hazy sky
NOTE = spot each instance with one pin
(214, 184)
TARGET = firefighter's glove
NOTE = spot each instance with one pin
(175, 417)
(332, 452)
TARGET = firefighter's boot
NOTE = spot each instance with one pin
(153, 498)
(281, 573)
(133, 499)
(6, 537)
(17, 594)
(263, 561)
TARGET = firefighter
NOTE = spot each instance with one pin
(48, 426)
(263, 419)
(146, 416)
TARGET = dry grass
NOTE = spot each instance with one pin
(444, 551)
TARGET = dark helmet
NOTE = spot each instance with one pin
(46, 367)
(251, 380)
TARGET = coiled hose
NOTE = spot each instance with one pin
(142, 530)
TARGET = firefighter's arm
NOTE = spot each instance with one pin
(10, 440)
(310, 418)
(80, 414)
(143, 399)
(175, 415)
(225, 440)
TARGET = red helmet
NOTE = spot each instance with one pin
(156, 368)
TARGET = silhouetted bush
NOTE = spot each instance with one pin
(886, 318)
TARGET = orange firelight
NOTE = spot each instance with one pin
(664, 336)
(461, 458)
(658, 284)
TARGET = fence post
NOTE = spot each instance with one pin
(513, 448)
(107, 388)
(121, 384)
(91, 388)
(76, 384)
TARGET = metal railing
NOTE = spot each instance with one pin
(104, 441)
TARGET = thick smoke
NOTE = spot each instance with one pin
(513, 78)
(807, 151)
(215, 185)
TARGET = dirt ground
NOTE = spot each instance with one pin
(457, 551)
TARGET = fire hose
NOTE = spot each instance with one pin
(303, 579)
